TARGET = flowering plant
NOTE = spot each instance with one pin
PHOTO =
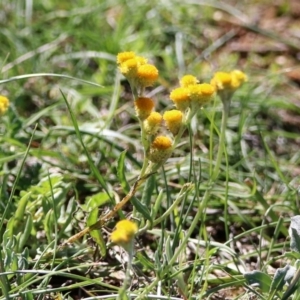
(188, 99)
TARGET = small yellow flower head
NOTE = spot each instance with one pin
(173, 119)
(228, 81)
(124, 232)
(162, 143)
(237, 78)
(188, 80)
(129, 64)
(143, 107)
(123, 56)
(4, 104)
(129, 68)
(207, 89)
(221, 80)
(141, 60)
(160, 150)
(146, 75)
(152, 123)
(201, 93)
(180, 97)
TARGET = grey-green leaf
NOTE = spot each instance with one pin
(281, 277)
(260, 279)
(294, 233)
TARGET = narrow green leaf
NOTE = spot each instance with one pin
(4, 280)
(9, 158)
(25, 233)
(292, 255)
(33, 118)
(97, 200)
(259, 198)
(169, 252)
(20, 77)
(95, 170)
(123, 295)
(19, 215)
(146, 263)
(48, 225)
(141, 208)
(96, 234)
(148, 191)
(10, 230)
(157, 204)
(71, 208)
(121, 172)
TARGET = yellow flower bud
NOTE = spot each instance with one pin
(146, 75)
(180, 97)
(221, 80)
(173, 119)
(152, 123)
(123, 56)
(160, 150)
(124, 232)
(143, 107)
(141, 60)
(237, 78)
(129, 68)
(129, 65)
(188, 80)
(201, 93)
(4, 104)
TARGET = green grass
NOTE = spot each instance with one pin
(70, 150)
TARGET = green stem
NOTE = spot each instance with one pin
(222, 147)
(123, 289)
(182, 129)
(145, 143)
(226, 107)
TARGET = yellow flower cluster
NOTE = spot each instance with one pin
(124, 56)
(136, 69)
(192, 94)
(124, 232)
(141, 74)
(4, 104)
(228, 81)
(188, 98)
